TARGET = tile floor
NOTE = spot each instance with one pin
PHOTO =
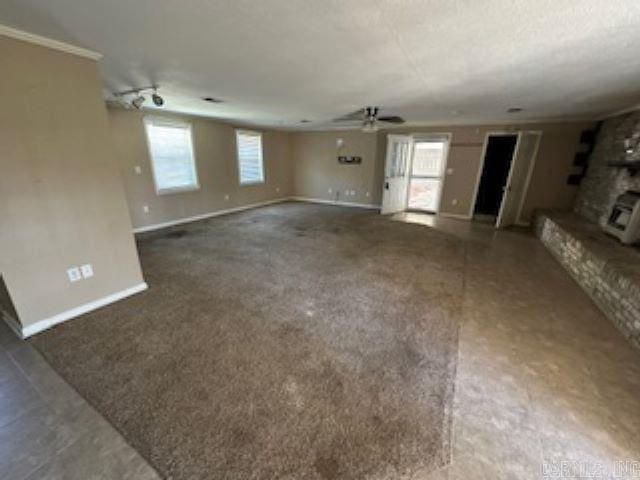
(47, 431)
(546, 388)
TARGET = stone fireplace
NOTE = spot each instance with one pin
(608, 271)
(603, 183)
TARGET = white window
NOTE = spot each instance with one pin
(172, 159)
(250, 162)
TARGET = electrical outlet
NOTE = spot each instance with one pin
(366, 194)
(137, 169)
(74, 274)
(330, 191)
(454, 201)
(449, 171)
(226, 198)
(86, 270)
(277, 189)
(145, 208)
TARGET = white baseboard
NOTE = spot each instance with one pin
(33, 328)
(335, 202)
(204, 216)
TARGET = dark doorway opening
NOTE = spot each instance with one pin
(497, 162)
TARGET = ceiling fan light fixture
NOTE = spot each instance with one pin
(369, 126)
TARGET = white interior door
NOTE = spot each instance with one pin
(396, 174)
(518, 180)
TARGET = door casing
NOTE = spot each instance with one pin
(513, 157)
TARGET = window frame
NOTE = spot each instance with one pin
(240, 131)
(178, 124)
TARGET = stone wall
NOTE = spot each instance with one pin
(603, 183)
(607, 271)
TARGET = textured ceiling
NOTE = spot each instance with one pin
(275, 62)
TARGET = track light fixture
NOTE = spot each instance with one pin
(139, 99)
(157, 99)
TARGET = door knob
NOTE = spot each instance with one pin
(386, 185)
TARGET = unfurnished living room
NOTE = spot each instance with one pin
(319, 239)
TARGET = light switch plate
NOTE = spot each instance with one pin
(145, 208)
(137, 169)
(86, 270)
(74, 274)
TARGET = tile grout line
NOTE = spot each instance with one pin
(20, 417)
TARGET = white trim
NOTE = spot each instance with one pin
(204, 216)
(250, 133)
(525, 187)
(335, 202)
(48, 42)
(619, 112)
(495, 122)
(25, 331)
(507, 186)
(150, 120)
(385, 207)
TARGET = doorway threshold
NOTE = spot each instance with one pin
(482, 218)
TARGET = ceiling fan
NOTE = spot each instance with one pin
(369, 118)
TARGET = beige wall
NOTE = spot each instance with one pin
(62, 202)
(216, 162)
(316, 168)
(554, 164)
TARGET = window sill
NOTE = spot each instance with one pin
(249, 184)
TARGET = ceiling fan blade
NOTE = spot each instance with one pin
(357, 115)
(392, 119)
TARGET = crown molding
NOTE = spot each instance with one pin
(48, 42)
(620, 112)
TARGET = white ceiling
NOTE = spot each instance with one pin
(275, 62)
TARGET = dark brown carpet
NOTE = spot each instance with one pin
(294, 341)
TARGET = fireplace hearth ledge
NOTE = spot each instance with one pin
(607, 271)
